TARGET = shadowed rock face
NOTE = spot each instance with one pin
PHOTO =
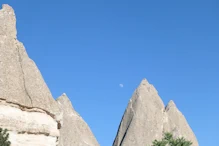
(146, 119)
(74, 131)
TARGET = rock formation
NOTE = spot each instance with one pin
(176, 123)
(146, 119)
(34, 118)
(27, 108)
(74, 131)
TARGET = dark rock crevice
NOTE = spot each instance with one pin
(23, 75)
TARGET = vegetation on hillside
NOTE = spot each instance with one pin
(169, 140)
(4, 137)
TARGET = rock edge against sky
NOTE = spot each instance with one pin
(33, 117)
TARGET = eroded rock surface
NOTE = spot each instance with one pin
(27, 108)
(74, 131)
(146, 119)
(177, 124)
(34, 118)
(20, 80)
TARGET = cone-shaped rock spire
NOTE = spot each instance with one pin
(146, 119)
(27, 107)
(177, 124)
(74, 130)
(8, 21)
(20, 80)
(142, 121)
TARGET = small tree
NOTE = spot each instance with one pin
(168, 140)
(4, 137)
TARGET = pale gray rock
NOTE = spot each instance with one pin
(27, 108)
(8, 21)
(12, 86)
(142, 121)
(28, 127)
(177, 124)
(20, 80)
(74, 130)
(147, 119)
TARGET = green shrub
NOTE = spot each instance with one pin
(4, 137)
(168, 140)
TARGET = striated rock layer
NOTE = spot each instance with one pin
(146, 119)
(74, 131)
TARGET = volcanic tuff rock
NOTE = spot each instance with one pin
(27, 108)
(74, 131)
(20, 80)
(176, 123)
(146, 119)
(34, 118)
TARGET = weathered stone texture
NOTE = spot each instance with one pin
(27, 108)
(146, 119)
(177, 123)
(20, 80)
(34, 118)
(74, 131)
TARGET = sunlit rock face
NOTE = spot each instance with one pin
(27, 108)
(34, 118)
(146, 119)
(74, 131)
(28, 126)
(20, 80)
(177, 124)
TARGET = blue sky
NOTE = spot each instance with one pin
(88, 48)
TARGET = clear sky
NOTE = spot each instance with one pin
(88, 48)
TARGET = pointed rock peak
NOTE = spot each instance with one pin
(7, 8)
(7, 21)
(65, 102)
(142, 120)
(146, 92)
(144, 82)
(170, 105)
(74, 130)
(20, 80)
(146, 86)
(177, 123)
(63, 98)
